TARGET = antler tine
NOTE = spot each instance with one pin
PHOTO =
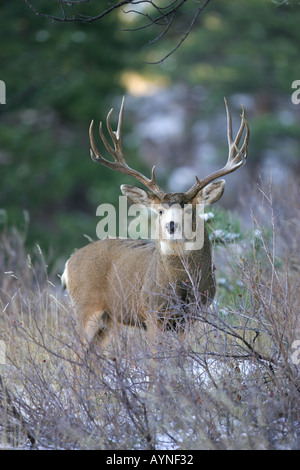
(247, 136)
(116, 136)
(119, 164)
(120, 121)
(236, 157)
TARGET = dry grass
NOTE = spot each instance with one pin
(231, 384)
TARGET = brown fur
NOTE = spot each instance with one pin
(117, 281)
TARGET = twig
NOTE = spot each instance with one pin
(161, 16)
(10, 402)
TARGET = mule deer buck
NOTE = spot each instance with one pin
(125, 281)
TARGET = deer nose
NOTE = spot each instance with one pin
(171, 227)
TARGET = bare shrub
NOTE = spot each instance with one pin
(232, 383)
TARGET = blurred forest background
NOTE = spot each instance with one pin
(59, 76)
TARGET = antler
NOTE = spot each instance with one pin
(236, 157)
(119, 163)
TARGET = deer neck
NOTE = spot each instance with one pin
(176, 257)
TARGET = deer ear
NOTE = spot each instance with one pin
(211, 193)
(137, 195)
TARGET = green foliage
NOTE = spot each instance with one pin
(224, 226)
(59, 76)
(258, 42)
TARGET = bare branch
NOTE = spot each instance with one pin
(76, 16)
(153, 14)
(6, 397)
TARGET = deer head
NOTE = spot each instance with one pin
(171, 207)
